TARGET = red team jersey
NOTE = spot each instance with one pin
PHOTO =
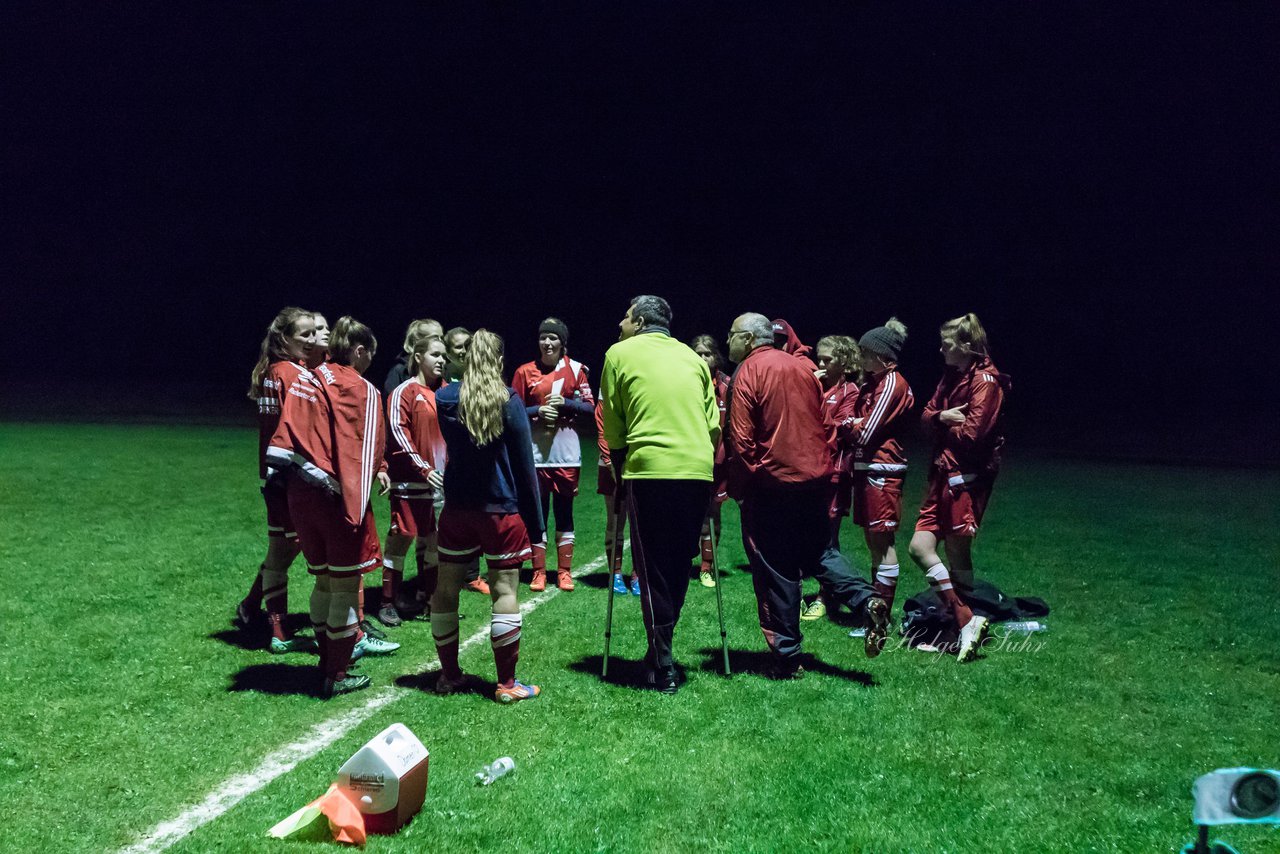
(415, 446)
(971, 448)
(555, 446)
(837, 404)
(331, 432)
(872, 430)
(275, 383)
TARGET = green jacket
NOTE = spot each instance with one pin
(658, 401)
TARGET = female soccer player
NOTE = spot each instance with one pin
(415, 463)
(405, 367)
(557, 398)
(456, 342)
(836, 357)
(329, 442)
(709, 350)
(879, 462)
(287, 347)
(491, 506)
(963, 417)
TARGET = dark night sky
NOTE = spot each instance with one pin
(1099, 182)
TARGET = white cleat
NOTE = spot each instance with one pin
(971, 638)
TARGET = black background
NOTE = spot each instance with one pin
(1097, 181)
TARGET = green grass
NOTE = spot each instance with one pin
(127, 697)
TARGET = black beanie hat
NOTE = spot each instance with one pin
(883, 341)
(555, 327)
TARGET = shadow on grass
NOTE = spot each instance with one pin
(278, 678)
(426, 682)
(756, 663)
(599, 580)
(256, 636)
(623, 672)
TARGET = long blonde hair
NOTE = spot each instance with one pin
(967, 331)
(274, 348)
(483, 394)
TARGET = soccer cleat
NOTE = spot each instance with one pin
(664, 682)
(517, 692)
(445, 686)
(334, 687)
(389, 616)
(619, 585)
(478, 585)
(971, 638)
(564, 580)
(370, 629)
(877, 627)
(295, 644)
(635, 586)
(785, 669)
(815, 610)
(706, 579)
(245, 615)
(369, 645)
(539, 582)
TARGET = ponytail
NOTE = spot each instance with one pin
(349, 333)
(274, 348)
(483, 393)
(967, 331)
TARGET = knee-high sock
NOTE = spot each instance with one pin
(275, 593)
(444, 629)
(540, 555)
(564, 551)
(254, 600)
(320, 617)
(392, 574)
(887, 582)
(344, 623)
(504, 636)
(940, 580)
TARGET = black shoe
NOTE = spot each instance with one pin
(371, 630)
(389, 616)
(663, 681)
(785, 669)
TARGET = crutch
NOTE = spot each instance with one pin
(611, 552)
(715, 570)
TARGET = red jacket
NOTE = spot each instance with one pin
(331, 433)
(972, 447)
(877, 422)
(415, 447)
(837, 404)
(775, 435)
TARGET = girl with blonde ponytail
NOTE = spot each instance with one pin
(491, 506)
(964, 419)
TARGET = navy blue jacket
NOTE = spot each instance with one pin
(498, 478)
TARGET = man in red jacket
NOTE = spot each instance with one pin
(780, 472)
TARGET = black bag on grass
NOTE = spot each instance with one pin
(927, 619)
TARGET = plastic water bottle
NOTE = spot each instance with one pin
(1024, 627)
(495, 769)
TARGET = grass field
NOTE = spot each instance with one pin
(128, 697)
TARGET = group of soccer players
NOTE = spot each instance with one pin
(326, 438)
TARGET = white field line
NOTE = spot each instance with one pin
(285, 759)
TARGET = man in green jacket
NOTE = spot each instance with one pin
(662, 425)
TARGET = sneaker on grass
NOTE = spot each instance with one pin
(706, 579)
(389, 616)
(619, 585)
(517, 692)
(784, 669)
(971, 638)
(663, 681)
(334, 687)
(815, 610)
(635, 586)
(294, 644)
(369, 645)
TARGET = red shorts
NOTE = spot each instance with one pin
(605, 484)
(413, 517)
(279, 522)
(562, 481)
(953, 506)
(841, 497)
(329, 543)
(877, 502)
(465, 534)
